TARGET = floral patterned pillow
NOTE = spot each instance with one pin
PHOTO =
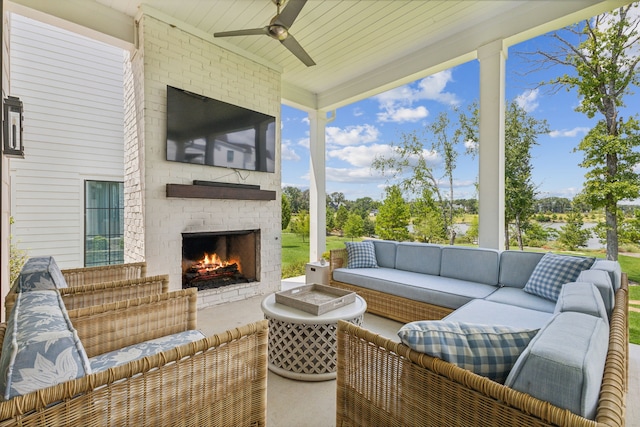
(40, 348)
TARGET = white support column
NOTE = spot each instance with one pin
(317, 188)
(492, 59)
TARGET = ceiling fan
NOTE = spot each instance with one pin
(278, 29)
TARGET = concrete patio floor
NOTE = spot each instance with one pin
(293, 403)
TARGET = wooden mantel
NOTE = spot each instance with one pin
(189, 191)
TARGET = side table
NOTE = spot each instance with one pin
(302, 346)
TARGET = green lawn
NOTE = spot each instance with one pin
(634, 316)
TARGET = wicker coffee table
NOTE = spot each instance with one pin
(302, 346)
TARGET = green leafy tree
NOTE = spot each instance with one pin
(341, 217)
(571, 235)
(330, 218)
(521, 132)
(393, 216)
(298, 199)
(535, 235)
(300, 224)
(473, 230)
(606, 66)
(354, 226)
(428, 225)
(286, 211)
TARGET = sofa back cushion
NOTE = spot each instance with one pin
(40, 273)
(486, 350)
(582, 297)
(553, 271)
(516, 267)
(419, 258)
(385, 253)
(40, 348)
(564, 363)
(472, 264)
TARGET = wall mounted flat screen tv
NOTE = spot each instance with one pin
(206, 131)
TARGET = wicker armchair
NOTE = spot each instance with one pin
(385, 383)
(219, 380)
(79, 296)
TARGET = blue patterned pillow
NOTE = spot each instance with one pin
(490, 351)
(553, 271)
(361, 255)
(40, 273)
(40, 348)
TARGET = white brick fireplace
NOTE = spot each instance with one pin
(154, 222)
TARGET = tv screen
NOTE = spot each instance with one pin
(207, 131)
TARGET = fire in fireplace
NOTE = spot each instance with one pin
(214, 259)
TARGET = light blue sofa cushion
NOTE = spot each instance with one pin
(486, 350)
(472, 264)
(361, 255)
(385, 253)
(602, 280)
(138, 351)
(564, 363)
(516, 267)
(553, 271)
(612, 268)
(483, 312)
(437, 290)
(40, 348)
(584, 298)
(40, 273)
(419, 258)
(519, 298)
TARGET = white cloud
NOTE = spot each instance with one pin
(304, 142)
(357, 112)
(352, 175)
(305, 120)
(528, 100)
(397, 104)
(362, 155)
(288, 153)
(471, 145)
(569, 133)
(403, 114)
(352, 135)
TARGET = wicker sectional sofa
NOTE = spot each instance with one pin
(572, 373)
(138, 362)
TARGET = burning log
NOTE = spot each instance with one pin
(195, 274)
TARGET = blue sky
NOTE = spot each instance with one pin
(366, 128)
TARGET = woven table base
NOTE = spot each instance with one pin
(304, 351)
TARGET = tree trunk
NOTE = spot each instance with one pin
(611, 212)
(519, 232)
(506, 236)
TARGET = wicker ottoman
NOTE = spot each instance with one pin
(302, 346)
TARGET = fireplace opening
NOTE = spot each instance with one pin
(214, 259)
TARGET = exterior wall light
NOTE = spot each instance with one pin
(12, 128)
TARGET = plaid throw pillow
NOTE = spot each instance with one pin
(553, 271)
(361, 255)
(490, 351)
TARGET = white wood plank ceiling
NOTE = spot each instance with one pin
(361, 47)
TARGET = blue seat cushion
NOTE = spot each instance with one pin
(138, 351)
(481, 311)
(519, 298)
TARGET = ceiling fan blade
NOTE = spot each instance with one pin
(292, 44)
(249, 32)
(290, 13)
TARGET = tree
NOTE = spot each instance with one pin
(521, 132)
(428, 225)
(354, 226)
(571, 235)
(393, 216)
(606, 66)
(444, 143)
(341, 217)
(300, 224)
(286, 211)
(299, 199)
